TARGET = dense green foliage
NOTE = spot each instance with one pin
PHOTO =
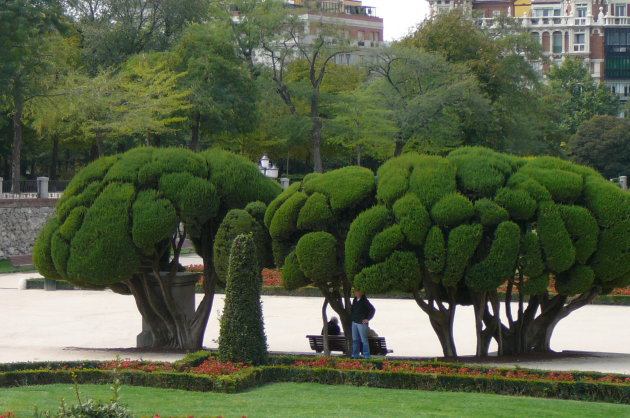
(242, 337)
(123, 209)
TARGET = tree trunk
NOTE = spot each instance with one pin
(54, 158)
(16, 151)
(316, 134)
(359, 156)
(194, 136)
(325, 329)
(440, 317)
(399, 148)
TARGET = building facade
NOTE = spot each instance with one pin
(359, 24)
(597, 31)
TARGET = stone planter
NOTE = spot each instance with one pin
(50, 284)
(183, 290)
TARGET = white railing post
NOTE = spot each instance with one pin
(1, 193)
(42, 187)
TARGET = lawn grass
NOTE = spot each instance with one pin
(307, 400)
(7, 267)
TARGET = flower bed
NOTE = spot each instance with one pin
(203, 372)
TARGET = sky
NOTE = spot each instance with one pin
(399, 15)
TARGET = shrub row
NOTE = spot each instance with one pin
(283, 372)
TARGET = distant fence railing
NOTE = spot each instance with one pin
(42, 188)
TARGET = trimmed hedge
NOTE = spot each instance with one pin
(317, 256)
(413, 219)
(282, 372)
(386, 242)
(360, 235)
(498, 266)
(316, 214)
(555, 239)
(452, 209)
(345, 187)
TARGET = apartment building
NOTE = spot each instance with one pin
(597, 31)
(359, 24)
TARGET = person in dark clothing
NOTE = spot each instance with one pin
(361, 313)
(333, 327)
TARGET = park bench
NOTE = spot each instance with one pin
(378, 346)
(21, 260)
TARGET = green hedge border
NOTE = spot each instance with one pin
(28, 374)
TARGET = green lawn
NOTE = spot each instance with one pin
(308, 400)
(7, 267)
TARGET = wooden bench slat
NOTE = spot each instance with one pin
(378, 346)
(21, 260)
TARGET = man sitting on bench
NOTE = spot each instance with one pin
(333, 327)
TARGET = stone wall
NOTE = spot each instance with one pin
(20, 222)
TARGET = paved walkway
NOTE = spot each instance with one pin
(76, 324)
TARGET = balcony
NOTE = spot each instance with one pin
(541, 22)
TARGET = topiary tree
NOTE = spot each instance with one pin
(242, 337)
(308, 224)
(466, 224)
(123, 219)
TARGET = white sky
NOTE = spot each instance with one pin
(399, 15)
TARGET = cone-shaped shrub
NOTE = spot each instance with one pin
(242, 337)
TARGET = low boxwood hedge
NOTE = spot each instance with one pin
(282, 369)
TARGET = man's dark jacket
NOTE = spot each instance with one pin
(361, 309)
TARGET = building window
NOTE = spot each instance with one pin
(557, 42)
(581, 11)
(536, 37)
(579, 42)
(496, 13)
(361, 35)
(620, 9)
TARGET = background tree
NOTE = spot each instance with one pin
(317, 45)
(602, 143)
(432, 100)
(223, 94)
(242, 337)
(113, 30)
(500, 59)
(361, 125)
(580, 96)
(121, 217)
(25, 30)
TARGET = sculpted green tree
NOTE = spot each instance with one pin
(308, 224)
(122, 221)
(242, 337)
(461, 227)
